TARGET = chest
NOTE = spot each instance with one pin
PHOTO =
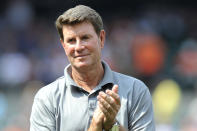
(75, 111)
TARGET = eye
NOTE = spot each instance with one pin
(85, 37)
(71, 40)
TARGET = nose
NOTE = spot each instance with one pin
(79, 46)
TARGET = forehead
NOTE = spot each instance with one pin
(78, 29)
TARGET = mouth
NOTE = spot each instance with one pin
(80, 56)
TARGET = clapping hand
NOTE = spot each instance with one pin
(109, 104)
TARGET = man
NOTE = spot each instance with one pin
(90, 96)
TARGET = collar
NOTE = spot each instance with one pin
(108, 76)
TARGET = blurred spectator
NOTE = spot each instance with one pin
(186, 63)
(3, 108)
(118, 41)
(15, 69)
(13, 128)
(19, 14)
(148, 54)
(26, 101)
(166, 100)
(164, 127)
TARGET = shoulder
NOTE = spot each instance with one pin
(47, 98)
(51, 90)
(129, 84)
(122, 77)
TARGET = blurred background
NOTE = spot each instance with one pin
(155, 41)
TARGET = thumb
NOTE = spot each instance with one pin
(115, 88)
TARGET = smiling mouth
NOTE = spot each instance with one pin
(80, 56)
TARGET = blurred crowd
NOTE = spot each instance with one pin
(157, 45)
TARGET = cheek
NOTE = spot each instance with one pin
(98, 48)
(95, 46)
(69, 50)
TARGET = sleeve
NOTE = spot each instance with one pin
(141, 116)
(42, 117)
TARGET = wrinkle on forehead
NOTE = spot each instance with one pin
(78, 29)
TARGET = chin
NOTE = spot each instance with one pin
(81, 65)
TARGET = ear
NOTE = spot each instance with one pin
(62, 42)
(102, 38)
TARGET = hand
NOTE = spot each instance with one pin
(109, 104)
(96, 123)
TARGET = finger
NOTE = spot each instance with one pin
(106, 97)
(107, 105)
(98, 115)
(114, 95)
(115, 103)
(105, 111)
(98, 111)
(111, 101)
(115, 88)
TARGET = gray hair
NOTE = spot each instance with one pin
(77, 15)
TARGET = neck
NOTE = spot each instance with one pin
(90, 78)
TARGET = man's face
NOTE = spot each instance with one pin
(82, 45)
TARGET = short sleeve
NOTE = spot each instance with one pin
(141, 116)
(42, 117)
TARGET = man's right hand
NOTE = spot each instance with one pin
(97, 120)
(109, 104)
(106, 111)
